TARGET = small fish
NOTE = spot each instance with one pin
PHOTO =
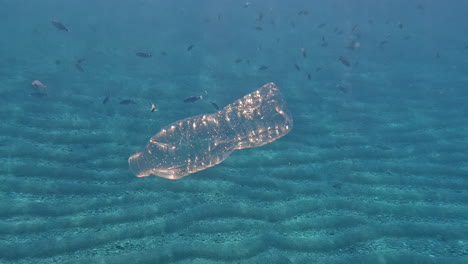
(143, 54)
(382, 43)
(318, 69)
(344, 61)
(215, 105)
(78, 65)
(263, 67)
(59, 25)
(57, 62)
(238, 60)
(342, 88)
(164, 53)
(370, 22)
(127, 102)
(438, 55)
(38, 94)
(354, 28)
(321, 25)
(258, 28)
(106, 99)
(153, 107)
(247, 4)
(309, 77)
(400, 25)
(297, 67)
(324, 42)
(303, 52)
(260, 17)
(190, 47)
(38, 84)
(303, 12)
(193, 99)
(407, 37)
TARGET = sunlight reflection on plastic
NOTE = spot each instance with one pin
(196, 143)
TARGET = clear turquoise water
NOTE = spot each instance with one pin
(374, 171)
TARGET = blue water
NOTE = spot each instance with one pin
(374, 171)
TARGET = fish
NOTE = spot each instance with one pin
(344, 61)
(260, 17)
(321, 25)
(247, 4)
(164, 53)
(78, 65)
(38, 84)
(57, 62)
(318, 69)
(143, 54)
(303, 52)
(127, 102)
(297, 67)
(324, 42)
(193, 99)
(263, 67)
(106, 99)
(190, 47)
(438, 55)
(215, 105)
(153, 107)
(400, 25)
(309, 77)
(258, 28)
(303, 12)
(238, 60)
(342, 88)
(382, 43)
(354, 28)
(59, 25)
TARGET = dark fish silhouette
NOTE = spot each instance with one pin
(321, 25)
(127, 101)
(193, 99)
(105, 100)
(303, 52)
(318, 69)
(382, 43)
(260, 17)
(190, 47)
(78, 65)
(143, 54)
(303, 12)
(258, 28)
(59, 25)
(297, 67)
(354, 28)
(324, 42)
(215, 105)
(263, 67)
(309, 77)
(238, 60)
(163, 53)
(342, 88)
(344, 61)
(57, 62)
